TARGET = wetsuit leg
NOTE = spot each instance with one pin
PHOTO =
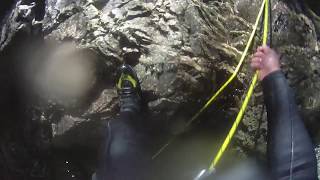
(125, 156)
(290, 150)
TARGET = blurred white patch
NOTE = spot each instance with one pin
(65, 76)
(200, 174)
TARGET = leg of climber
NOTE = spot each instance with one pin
(290, 150)
(125, 156)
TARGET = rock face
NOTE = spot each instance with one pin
(182, 50)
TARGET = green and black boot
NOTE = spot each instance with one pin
(129, 90)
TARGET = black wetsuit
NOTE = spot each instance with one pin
(125, 155)
(290, 151)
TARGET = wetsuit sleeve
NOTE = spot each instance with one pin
(290, 151)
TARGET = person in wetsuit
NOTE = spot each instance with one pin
(290, 152)
(125, 155)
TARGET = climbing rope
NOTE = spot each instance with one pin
(221, 89)
(248, 96)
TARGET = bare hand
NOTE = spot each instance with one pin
(266, 60)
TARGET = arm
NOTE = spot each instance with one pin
(290, 151)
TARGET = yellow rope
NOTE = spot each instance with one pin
(231, 78)
(248, 96)
(243, 56)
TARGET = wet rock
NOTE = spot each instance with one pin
(173, 46)
(68, 132)
(65, 124)
(302, 31)
(295, 37)
(20, 19)
(182, 51)
(74, 27)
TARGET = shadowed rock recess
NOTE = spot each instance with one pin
(182, 50)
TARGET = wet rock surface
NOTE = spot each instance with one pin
(182, 50)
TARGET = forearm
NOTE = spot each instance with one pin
(290, 151)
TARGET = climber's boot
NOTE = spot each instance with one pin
(129, 90)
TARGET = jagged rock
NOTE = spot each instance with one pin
(74, 27)
(22, 18)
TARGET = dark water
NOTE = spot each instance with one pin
(190, 153)
(183, 159)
